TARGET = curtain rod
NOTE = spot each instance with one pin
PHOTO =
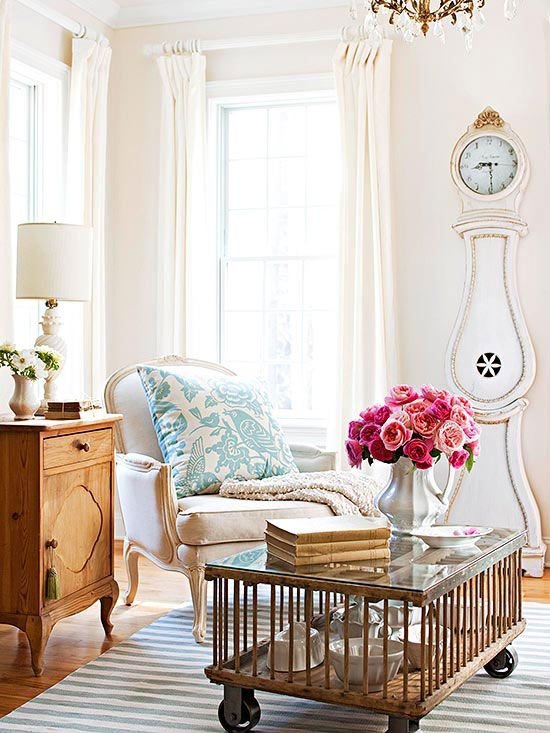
(77, 29)
(242, 42)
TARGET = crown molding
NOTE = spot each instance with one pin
(174, 11)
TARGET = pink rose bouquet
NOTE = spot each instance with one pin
(421, 425)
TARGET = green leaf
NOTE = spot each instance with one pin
(195, 412)
(471, 460)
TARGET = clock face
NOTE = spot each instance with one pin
(488, 165)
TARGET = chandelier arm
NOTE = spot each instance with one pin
(421, 12)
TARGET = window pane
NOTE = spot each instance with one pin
(246, 233)
(247, 135)
(243, 337)
(287, 182)
(322, 230)
(287, 131)
(283, 336)
(244, 286)
(283, 285)
(287, 231)
(316, 272)
(246, 185)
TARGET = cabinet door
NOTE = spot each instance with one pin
(77, 514)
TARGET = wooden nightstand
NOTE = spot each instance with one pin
(56, 490)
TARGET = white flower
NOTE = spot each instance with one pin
(40, 371)
(7, 346)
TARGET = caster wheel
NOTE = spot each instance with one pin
(503, 664)
(250, 716)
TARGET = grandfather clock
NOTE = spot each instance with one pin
(490, 358)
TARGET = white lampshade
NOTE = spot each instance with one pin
(54, 261)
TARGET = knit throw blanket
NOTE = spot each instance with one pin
(345, 492)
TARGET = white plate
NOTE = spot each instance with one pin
(445, 537)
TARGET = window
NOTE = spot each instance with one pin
(37, 162)
(279, 173)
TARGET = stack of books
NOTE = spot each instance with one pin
(73, 410)
(318, 541)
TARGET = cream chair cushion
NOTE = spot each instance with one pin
(212, 519)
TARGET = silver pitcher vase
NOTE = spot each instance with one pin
(412, 499)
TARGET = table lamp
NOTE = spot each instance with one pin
(54, 262)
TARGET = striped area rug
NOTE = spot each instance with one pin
(155, 682)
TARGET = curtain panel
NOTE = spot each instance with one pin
(86, 172)
(7, 254)
(367, 344)
(182, 195)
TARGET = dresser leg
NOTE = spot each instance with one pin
(107, 605)
(38, 630)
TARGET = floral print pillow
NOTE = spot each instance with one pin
(211, 427)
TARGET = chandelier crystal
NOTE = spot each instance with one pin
(414, 18)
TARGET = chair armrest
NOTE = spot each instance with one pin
(311, 459)
(148, 504)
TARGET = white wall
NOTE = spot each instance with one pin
(437, 92)
(42, 35)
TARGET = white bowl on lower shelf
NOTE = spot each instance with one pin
(281, 649)
(376, 661)
(414, 645)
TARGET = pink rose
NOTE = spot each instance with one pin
(355, 428)
(417, 406)
(368, 415)
(472, 430)
(458, 458)
(428, 464)
(400, 395)
(355, 453)
(379, 451)
(432, 394)
(403, 417)
(462, 402)
(449, 437)
(460, 416)
(368, 434)
(474, 447)
(394, 434)
(382, 414)
(425, 423)
(441, 409)
(418, 450)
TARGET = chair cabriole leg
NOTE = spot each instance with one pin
(198, 596)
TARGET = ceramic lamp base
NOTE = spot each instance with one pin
(51, 325)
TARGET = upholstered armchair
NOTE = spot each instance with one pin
(183, 535)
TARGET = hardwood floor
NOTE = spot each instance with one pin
(78, 640)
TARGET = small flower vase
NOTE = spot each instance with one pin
(24, 401)
(412, 498)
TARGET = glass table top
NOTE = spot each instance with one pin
(414, 567)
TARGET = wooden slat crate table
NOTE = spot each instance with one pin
(465, 604)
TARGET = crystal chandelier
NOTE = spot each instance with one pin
(413, 18)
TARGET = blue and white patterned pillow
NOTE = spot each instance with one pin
(211, 427)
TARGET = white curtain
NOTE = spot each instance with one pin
(181, 195)
(367, 343)
(87, 153)
(7, 263)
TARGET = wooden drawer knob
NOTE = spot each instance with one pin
(15, 516)
(52, 543)
(83, 446)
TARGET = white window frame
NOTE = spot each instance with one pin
(221, 96)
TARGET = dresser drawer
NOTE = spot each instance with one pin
(70, 449)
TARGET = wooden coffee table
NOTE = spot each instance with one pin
(469, 603)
